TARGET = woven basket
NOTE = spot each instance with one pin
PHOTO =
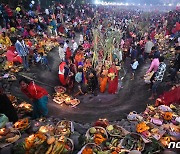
(124, 131)
(71, 126)
(72, 144)
(135, 135)
(88, 136)
(57, 89)
(91, 145)
(2, 145)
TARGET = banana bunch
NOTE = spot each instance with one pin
(13, 139)
(56, 148)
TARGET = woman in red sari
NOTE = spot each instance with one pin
(169, 97)
(62, 73)
(112, 79)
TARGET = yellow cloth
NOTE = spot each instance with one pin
(5, 41)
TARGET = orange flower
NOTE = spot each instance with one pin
(87, 151)
(167, 116)
(141, 127)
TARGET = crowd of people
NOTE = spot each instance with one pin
(87, 62)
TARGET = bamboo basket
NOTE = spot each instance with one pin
(2, 145)
(91, 145)
(124, 132)
(88, 136)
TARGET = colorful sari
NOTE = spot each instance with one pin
(169, 97)
(113, 82)
(103, 81)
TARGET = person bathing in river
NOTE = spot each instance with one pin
(38, 95)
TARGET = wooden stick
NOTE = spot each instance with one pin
(27, 77)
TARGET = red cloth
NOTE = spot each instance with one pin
(152, 35)
(177, 28)
(17, 59)
(61, 73)
(61, 29)
(62, 79)
(12, 56)
(8, 11)
(68, 53)
(34, 91)
(113, 84)
(170, 97)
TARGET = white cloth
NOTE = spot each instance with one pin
(75, 46)
(65, 46)
(135, 65)
(47, 11)
(61, 53)
(81, 39)
(148, 46)
(61, 72)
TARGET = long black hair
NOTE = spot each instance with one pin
(24, 80)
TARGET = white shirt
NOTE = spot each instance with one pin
(135, 65)
(75, 46)
(65, 46)
(61, 53)
(47, 11)
(81, 38)
(148, 46)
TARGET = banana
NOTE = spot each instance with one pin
(13, 139)
(60, 148)
(114, 142)
(49, 149)
(55, 146)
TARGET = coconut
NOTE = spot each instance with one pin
(110, 127)
(92, 130)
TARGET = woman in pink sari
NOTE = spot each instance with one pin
(112, 79)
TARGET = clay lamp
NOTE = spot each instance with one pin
(4, 131)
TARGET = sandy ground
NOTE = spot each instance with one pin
(133, 97)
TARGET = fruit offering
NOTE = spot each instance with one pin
(64, 127)
(115, 130)
(47, 129)
(22, 124)
(90, 148)
(133, 142)
(8, 136)
(34, 140)
(97, 135)
(25, 107)
(60, 145)
(60, 89)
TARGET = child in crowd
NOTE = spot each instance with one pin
(44, 61)
(134, 66)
